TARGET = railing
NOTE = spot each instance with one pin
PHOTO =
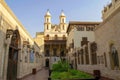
(54, 38)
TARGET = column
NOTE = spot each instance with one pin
(6, 58)
(89, 52)
(50, 52)
(84, 57)
(80, 59)
(59, 49)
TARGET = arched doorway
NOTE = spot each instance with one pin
(13, 56)
(47, 63)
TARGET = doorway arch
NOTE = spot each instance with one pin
(47, 62)
(13, 56)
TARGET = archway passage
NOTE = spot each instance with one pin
(47, 63)
(13, 56)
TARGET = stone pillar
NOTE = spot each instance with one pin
(59, 50)
(89, 52)
(84, 57)
(7, 42)
(51, 53)
(50, 49)
(20, 65)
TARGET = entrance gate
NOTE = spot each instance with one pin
(13, 56)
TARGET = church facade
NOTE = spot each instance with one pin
(54, 38)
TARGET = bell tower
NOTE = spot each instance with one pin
(47, 23)
(62, 18)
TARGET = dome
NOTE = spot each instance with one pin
(62, 13)
(48, 13)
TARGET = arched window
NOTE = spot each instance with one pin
(114, 57)
(63, 20)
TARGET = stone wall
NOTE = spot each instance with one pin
(107, 34)
(9, 21)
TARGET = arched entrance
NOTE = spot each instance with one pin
(13, 56)
(47, 63)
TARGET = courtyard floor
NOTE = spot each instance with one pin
(43, 74)
(40, 75)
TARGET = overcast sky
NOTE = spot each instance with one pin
(31, 12)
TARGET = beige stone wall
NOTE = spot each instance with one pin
(110, 9)
(9, 21)
(108, 33)
(39, 39)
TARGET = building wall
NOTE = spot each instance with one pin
(70, 37)
(106, 35)
(78, 37)
(76, 32)
(9, 21)
(39, 39)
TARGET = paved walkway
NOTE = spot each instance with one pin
(40, 75)
(43, 74)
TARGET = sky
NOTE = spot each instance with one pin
(31, 12)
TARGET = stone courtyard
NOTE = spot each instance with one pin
(40, 75)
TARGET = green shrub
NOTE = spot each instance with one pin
(71, 74)
(61, 66)
(62, 71)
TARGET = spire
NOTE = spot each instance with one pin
(48, 13)
(62, 13)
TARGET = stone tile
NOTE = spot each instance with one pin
(40, 75)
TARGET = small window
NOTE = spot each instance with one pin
(63, 20)
(56, 37)
(63, 27)
(47, 20)
(47, 27)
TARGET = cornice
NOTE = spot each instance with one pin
(109, 17)
(14, 17)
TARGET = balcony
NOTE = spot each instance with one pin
(55, 40)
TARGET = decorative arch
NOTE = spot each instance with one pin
(14, 48)
(114, 59)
